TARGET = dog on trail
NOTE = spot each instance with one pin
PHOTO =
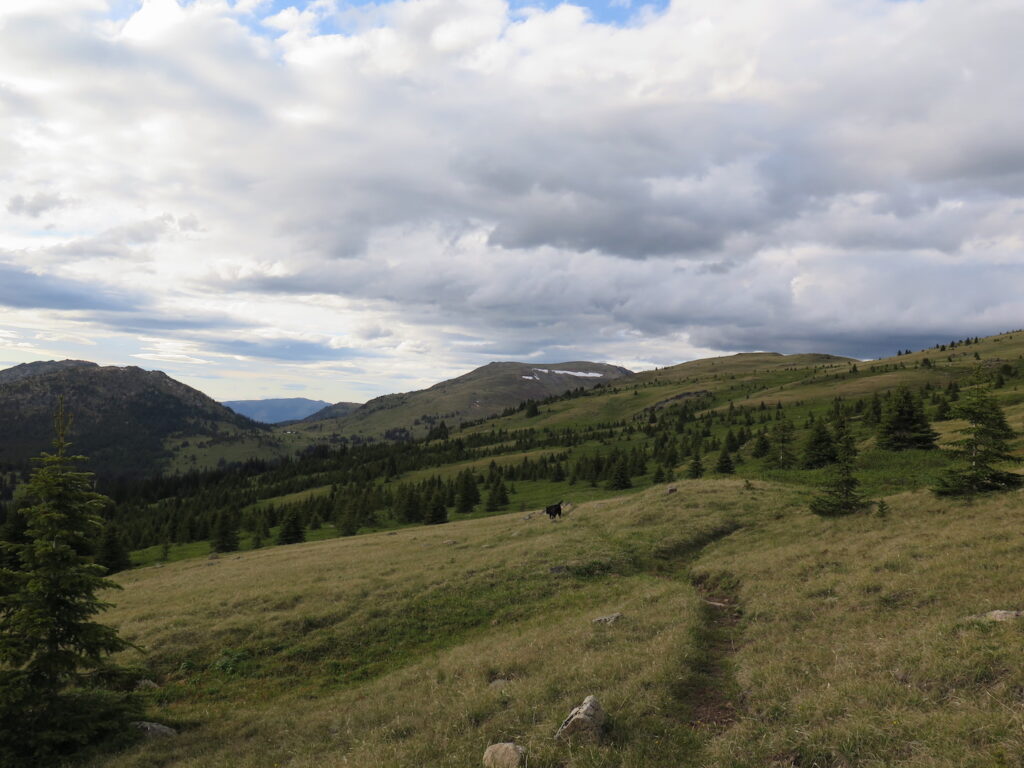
(555, 510)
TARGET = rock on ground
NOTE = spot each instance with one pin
(998, 616)
(584, 722)
(610, 619)
(506, 755)
(153, 730)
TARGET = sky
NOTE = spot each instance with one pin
(337, 199)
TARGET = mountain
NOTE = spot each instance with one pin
(276, 410)
(122, 418)
(335, 411)
(40, 367)
(483, 392)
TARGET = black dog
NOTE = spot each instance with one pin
(555, 510)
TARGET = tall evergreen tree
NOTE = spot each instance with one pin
(986, 443)
(839, 495)
(620, 476)
(467, 494)
(113, 554)
(781, 454)
(49, 640)
(695, 468)
(725, 465)
(225, 537)
(819, 450)
(436, 510)
(292, 531)
(761, 446)
(904, 424)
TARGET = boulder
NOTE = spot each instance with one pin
(505, 755)
(146, 685)
(498, 683)
(585, 722)
(609, 619)
(153, 730)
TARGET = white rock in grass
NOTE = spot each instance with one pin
(610, 619)
(998, 616)
(153, 730)
(146, 685)
(505, 755)
(584, 722)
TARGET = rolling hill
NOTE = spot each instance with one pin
(122, 418)
(479, 394)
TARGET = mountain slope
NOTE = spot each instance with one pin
(276, 410)
(121, 417)
(41, 367)
(478, 394)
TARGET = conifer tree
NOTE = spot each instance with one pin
(695, 468)
(225, 538)
(986, 443)
(49, 641)
(839, 495)
(291, 531)
(436, 510)
(468, 494)
(620, 476)
(659, 475)
(781, 454)
(725, 465)
(761, 446)
(904, 424)
(113, 554)
(819, 450)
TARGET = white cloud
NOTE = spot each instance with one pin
(434, 183)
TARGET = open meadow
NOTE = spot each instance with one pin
(753, 634)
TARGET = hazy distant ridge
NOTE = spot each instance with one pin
(276, 410)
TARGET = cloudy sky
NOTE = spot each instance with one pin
(339, 199)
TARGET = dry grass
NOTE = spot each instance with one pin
(381, 650)
(854, 646)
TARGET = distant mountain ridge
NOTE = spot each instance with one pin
(121, 417)
(278, 409)
(483, 392)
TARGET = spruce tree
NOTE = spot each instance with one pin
(225, 537)
(468, 494)
(781, 454)
(49, 642)
(761, 446)
(986, 443)
(695, 468)
(436, 510)
(620, 476)
(904, 424)
(839, 495)
(291, 531)
(113, 555)
(819, 450)
(725, 465)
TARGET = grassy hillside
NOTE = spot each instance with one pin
(754, 634)
(657, 419)
(479, 394)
